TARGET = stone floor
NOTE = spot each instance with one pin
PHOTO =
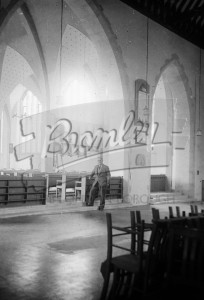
(57, 256)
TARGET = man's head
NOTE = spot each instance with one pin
(100, 160)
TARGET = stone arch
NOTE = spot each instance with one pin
(6, 14)
(101, 32)
(177, 122)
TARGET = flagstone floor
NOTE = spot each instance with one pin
(58, 256)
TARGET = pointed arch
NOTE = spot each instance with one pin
(6, 14)
(176, 120)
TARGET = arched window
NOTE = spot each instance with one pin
(26, 107)
(30, 104)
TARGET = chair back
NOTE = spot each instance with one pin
(131, 261)
(138, 216)
(135, 231)
(160, 249)
(155, 214)
(109, 236)
(155, 267)
(137, 235)
(185, 262)
(156, 257)
(178, 212)
(171, 214)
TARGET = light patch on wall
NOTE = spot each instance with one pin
(15, 70)
(180, 142)
(179, 125)
(78, 92)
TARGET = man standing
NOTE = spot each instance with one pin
(102, 179)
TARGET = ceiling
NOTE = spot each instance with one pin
(183, 17)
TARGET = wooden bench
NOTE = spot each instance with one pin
(22, 190)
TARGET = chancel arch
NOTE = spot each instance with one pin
(171, 129)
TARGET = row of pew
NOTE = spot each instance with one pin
(33, 187)
(39, 187)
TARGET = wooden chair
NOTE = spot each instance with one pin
(58, 187)
(78, 189)
(144, 280)
(136, 274)
(124, 265)
(155, 214)
(135, 217)
(153, 272)
(69, 191)
(185, 263)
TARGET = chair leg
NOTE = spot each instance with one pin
(113, 290)
(105, 286)
(127, 285)
(120, 284)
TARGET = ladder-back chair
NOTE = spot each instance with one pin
(122, 266)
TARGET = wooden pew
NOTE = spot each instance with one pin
(21, 190)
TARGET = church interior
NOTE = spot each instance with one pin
(119, 79)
